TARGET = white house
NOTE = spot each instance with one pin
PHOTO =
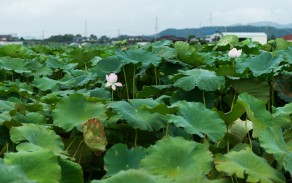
(260, 37)
(213, 37)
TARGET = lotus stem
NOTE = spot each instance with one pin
(78, 148)
(166, 132)
(112, 95)
(134, 73)
(126, 82)
(156, 77)
(70, 144)
(227, 140)
(204, 99)
(136, 137)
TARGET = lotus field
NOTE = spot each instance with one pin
(161, 113)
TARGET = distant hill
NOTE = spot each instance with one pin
(270, 24)
(272, 32)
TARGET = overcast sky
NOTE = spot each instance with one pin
(133, 17)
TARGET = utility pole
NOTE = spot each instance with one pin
(156, 28)
(119, 32)
(43, 35)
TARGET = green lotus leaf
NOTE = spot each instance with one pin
(31, 137)
(100, 93)
(41, 165)
(15, 51)
(195, 118)
(83, 79)
(285, 110)
(203, 79)
(107, 65)
(228, 39)
(236, 112)
(59, 64)
(281, 44)
(133, 176)
(142, 56)
(45, 84)
(272, 140)
(188, 54)
(119, 157)
(13, 174)
(246, 165)
(150, 91)
(177, 158)
(94, 135)
(288, 55)
(6, 106)
(164, 51)
(70, 171)
(239, 129)
(256, 112)
(31, 117)
(133, 113)
(4, 117)
(261, 64)
(258, 89)
(17, 65)
(74, 110)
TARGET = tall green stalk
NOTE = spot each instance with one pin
(126, 82)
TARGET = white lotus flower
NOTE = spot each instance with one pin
(234, 53)
(112, 81)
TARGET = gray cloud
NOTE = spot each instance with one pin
(108, 17)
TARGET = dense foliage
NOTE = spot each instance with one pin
(185, 113)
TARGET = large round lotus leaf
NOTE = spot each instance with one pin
(258, 89)
(15, 64)
(188, 54)
(6, 106)
(74, 110)
(203, 79)
(164, 51)
(272, 140)
(107, 65)
(15, 51)
(245, 164)
(31, 117)
(133, 113)
(261, 64)
(35, 137)
(71, 172)
(195, 118)
(13, 174)
(228, 39)
(288, 55)
(177, 157)
(133, 176)
(281, 44)
(119, 157)
(256, 112)
(38, 165)
(45, 84)
(142, 56)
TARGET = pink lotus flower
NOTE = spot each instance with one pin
(234, 53)
(112, 81)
